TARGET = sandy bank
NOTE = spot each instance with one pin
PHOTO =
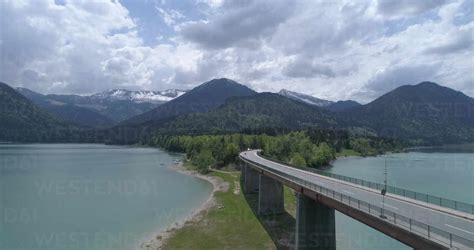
(196, 214)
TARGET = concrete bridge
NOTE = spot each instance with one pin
(418, 224)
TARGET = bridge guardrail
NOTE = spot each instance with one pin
(435, 200)
(444, 238)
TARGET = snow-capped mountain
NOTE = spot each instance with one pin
(139, 96)
(113, 105)
(305, 98)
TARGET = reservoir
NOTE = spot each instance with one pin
(443, 173)
(89, 196)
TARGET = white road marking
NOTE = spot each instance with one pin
(347, 192)
(458, 229)
(306, 173)
(389, 206)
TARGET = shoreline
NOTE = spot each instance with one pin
(159, 239)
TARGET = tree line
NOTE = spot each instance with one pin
(306, 148)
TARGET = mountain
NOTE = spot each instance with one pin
(342, 105)
(426, 113)
(67, 111)
(80, 116)
(23, 121)
(102, 109)
(311, 100)
(263, 110)
(157, 97)
(305, 98)
(205, 97)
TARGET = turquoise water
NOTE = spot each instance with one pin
(87, 196)
(448, 175)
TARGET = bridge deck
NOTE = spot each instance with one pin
(453, 230)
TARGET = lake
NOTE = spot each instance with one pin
(446, 173)
(89, 196)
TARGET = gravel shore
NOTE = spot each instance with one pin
(196, 214)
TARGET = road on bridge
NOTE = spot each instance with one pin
(461, 225)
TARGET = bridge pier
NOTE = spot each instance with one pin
(315, 216)
(250, 179)
(270, 196)
(315, 225)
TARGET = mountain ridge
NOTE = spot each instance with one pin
(140, 95)
(311, 100)
(102, 109)
(22, 121)
(202, 98)
(425, 111)
(424, 114)
(261, 110)
(305, 98)
(65, 110)
(342, 105)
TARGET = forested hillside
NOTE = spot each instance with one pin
(264, 110)
(22, 121)
(426, 113)
(307, 148)
(203, 98)
(95, 111)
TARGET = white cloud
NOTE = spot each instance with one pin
(331, 49)
(85, 46)
(402, 8)
(170, 17)
(243, 24)
(212, 3)
(338, 50)
(308, 69)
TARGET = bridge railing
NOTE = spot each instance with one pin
(435, 234)
(442, 202)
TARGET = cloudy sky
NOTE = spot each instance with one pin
(330, 49)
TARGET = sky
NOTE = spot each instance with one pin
(331, 49)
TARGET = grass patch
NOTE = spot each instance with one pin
(290, 200)
(347, 152)
(189, 166)
(235, 225)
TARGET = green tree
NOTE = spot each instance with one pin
(298, 160)
(203, 160)
(362, 145)
(230, 153)
(323, 155)
(241, 142)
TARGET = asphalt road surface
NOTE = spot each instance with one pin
(456, 223)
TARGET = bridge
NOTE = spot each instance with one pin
(418, 224)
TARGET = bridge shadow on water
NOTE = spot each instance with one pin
(280, 227)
